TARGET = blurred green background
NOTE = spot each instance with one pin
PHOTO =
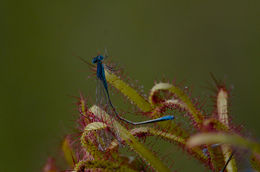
(40, 42)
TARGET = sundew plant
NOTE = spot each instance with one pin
(105, 143)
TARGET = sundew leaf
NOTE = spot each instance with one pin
(68, 151)
(95, 126)
(223, 138)
(222, 110)
(167, 136)
(128, 91)
(197, 152)
(154, 132)
(134, 144)
(222, 106)
(159, 133)
(186, 102)
(90, 147)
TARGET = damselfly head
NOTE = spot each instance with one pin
(97, 59)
